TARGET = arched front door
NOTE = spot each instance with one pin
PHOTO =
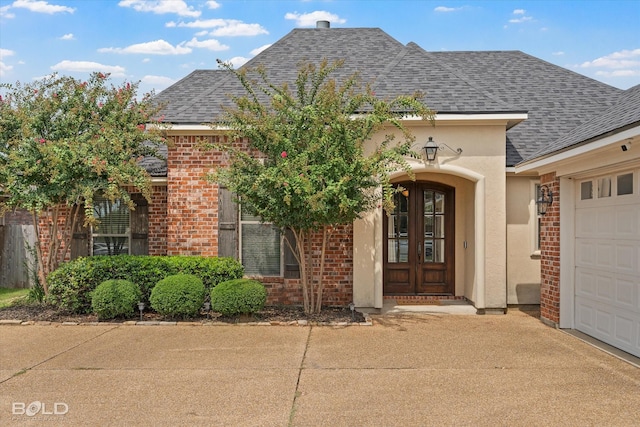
(419, 241)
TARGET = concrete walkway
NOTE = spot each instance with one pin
(406, 370)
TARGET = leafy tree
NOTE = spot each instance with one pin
(63, 142)
(306, 168)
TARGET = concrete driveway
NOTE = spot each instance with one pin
(405, 370)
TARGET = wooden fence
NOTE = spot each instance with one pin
(16, 257)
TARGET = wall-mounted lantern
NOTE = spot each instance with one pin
(544, 199)
(431, 149)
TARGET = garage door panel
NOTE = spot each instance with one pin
(620, 328)
(585, 283)
(607, 265)
(604, 322)
(627, 294)
(626, 257)
(627, 219)
(624, 329)
(586, 250)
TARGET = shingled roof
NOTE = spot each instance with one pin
(623, 115)
(556, 99)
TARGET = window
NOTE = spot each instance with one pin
(604, 187)
(112, 235)
(625, 184)
(260, 246)
(586, 190)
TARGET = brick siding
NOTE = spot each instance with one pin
(192, 201)
(158, 221)
(550, 254)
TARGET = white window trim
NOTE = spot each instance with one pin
(241, 222)
(535, 220)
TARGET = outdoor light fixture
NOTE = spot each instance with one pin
(207, 308)
(431, 149)
(141, 308)
(544, 200)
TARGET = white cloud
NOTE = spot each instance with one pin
(4, 12)
(520, 17)
(4, 69)
(310, 19)
(158, 81)
(213, 4)
(238, 28)
(237, 61)
(40, 6)
(520, 20)
(559, 53)
(156, 47)
(257, 50)
(67, 37)
(5, 52)
(223, 27)
(160, 7)
(446, 9)
(211, 44)
(624, 63)
(201, 33)
(199, 23)
(616, 60)
(88, 67)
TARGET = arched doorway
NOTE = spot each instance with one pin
(418, 247)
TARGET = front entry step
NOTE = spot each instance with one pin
(427, 304)
(427, 299)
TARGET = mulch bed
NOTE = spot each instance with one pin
(43, 313)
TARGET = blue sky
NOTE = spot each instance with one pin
(159, 42)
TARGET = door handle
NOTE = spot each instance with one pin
(419, 251)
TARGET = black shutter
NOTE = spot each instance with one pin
(80, 237)
(140, 226)
(227, 224)
(291, 267)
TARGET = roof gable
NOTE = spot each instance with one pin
(623, 114)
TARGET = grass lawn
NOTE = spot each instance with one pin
(8, 295)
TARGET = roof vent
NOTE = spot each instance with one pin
(323, 24)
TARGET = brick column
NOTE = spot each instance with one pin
(550, 254)
(192, 201)
(158, 221)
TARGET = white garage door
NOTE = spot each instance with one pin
(607, 251)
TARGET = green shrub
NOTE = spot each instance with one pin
(70, 286)
(178, 295)
(239, 296)
(114, 298)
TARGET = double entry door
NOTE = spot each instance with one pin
(419, 241)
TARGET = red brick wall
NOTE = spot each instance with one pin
(192, 201)
(338, 274)
(550, 254)
(192, 224)
(158, 220)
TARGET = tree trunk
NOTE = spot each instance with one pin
(42, 277)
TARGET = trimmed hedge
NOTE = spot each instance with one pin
(70, 286)
(180, 295)
(240, 296)
(115, 298)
